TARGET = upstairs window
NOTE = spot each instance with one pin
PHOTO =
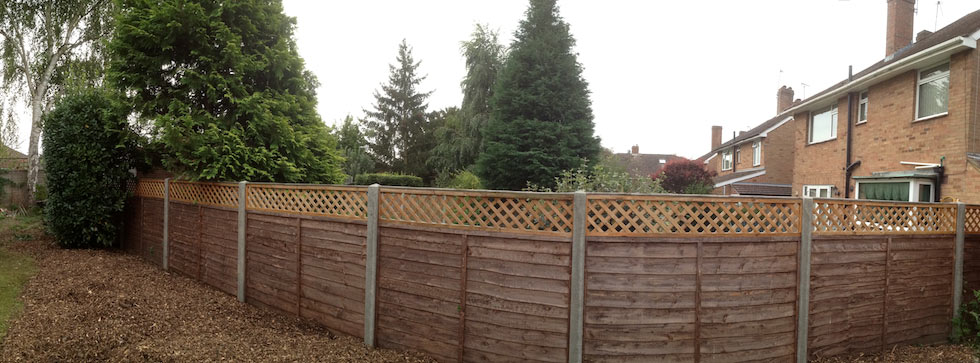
(823, 125)
(726, 160)
(932, 92)
(756, 153)
(863, 108)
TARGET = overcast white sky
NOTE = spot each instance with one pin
(661, 72)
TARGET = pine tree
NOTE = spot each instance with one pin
(541, 122)
(227, 89)
(397, 127)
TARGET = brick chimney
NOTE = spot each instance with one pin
(898, 34)
(715, 137)
(922, 35)
(784, 99)
(635, 150)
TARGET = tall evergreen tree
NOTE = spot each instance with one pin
(541, 121)
(353, 145)
(227, 89)
(397, 126)
(460, 138)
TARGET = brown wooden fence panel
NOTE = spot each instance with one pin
(219, 252)
(847, 290)
(640, 300)
(185, 239)
(748, 290)
(271, 252)
(332, 274)
(971, 266)
(151, 231)
(133, 217)
(517, 293)
(920, 298)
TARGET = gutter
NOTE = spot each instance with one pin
(924, 56)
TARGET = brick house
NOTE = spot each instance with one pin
(905, 128)
(758, 161)
(642, 165)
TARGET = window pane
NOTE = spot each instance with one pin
(885, 191)
(824, 193)
(863, 112)
(934, 71)
(925, 193)
(933, 97)
(820, 126)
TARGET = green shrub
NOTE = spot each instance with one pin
(600, 179)
(87, 151)
(465, 180)
(966, 327)
(388, 179)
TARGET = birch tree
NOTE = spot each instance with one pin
(41, 41)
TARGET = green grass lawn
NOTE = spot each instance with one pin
(15, 268)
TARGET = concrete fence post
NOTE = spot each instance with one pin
(371, 264)
(803, 300)
(242, 199)
(958, 258)
(166, 223)
(577, 286)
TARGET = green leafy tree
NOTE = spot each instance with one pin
(451, 141)
(353, 145)
(42, 43)
(599, 178)
(227, 90)
(541, 121)
(397, 126)
(88, 153)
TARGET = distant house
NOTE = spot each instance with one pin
(758, 161)
(642, 165)
(12, 159)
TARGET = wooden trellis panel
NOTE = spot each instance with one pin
(317, 200)
(538, 213)
(149, 188)
(972, 219)
(660, 215)
(216, 194)
(867, 217)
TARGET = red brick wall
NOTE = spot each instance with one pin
(777, 154)
(890, 135)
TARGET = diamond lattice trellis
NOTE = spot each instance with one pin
(149, 188)
(863, 217)
(514, 212)
(972, 219)
(627, 215)
(320, 200)
(216, 194)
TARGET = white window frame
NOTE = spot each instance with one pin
(863, 103)
(913, 187)
(727, 156)
(757, 153)
(829, 188)
(918, 87)
(833, 125)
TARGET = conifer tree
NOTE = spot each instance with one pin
(541, 122)
(225, 85)
(397, 126)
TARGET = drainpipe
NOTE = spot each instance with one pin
(940, 172)
(848, 166)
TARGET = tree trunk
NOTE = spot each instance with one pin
(33, 157)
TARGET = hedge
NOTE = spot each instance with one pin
(388, 179)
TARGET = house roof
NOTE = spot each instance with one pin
(737, 176)
(8, 153)
(918, 173)
(777, 190)
(755, 131)
(965, 26)
(642, 165)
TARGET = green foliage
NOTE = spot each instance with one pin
(353, 147)
(699, 187)
(398, 127)
(88, 154)
(389, 179)
(452, 143)
(541, 120)
(17, 269)
(598, 178)
(966, 326)
(228, 92)
(460, 180)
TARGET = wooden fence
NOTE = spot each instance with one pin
(512, 276)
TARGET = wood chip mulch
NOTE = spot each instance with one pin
(88, 305)
(911, 354)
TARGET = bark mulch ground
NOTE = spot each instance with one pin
(912, 354)
(86, 305)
